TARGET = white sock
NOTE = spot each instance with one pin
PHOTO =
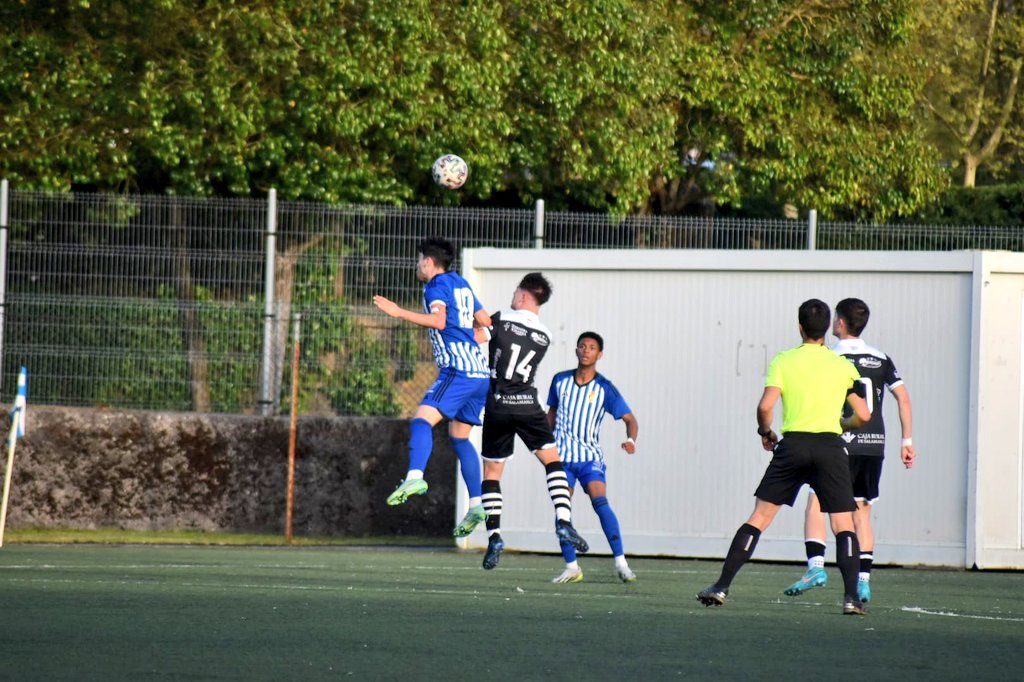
(816, 562)
(474, 502)
(620, 561)
(414, 475)
(866, 577)
(573, 566)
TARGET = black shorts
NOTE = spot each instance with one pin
(816, 458)
(501, 428)
(866, 472)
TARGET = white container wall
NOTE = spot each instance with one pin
(688, 335)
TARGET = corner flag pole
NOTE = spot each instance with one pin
(16, 432)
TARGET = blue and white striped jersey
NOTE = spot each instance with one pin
(578, 414)
(455, 346)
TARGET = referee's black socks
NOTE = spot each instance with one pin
(848, 560)
(740, 551)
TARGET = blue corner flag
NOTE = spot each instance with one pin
(21, 402)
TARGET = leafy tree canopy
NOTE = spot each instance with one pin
(974, 51)
(611, 105)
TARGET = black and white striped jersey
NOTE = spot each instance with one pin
(877, 372)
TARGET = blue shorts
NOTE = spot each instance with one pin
(457, 396)
(584, 472)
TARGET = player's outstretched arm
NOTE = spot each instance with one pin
(435, 319)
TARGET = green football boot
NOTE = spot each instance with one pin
(407, 489)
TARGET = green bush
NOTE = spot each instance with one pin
(986, 205)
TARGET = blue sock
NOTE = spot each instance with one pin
(470, 463)
(609, 524)
(421, 442)
(568, 551)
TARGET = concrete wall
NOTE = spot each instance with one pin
(83, 468)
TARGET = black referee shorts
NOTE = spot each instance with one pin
(501, 428)
(816, 458)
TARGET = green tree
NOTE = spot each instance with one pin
(613, 105)
(975, 52)
(810, 102)
(592, 106)
(324, 100)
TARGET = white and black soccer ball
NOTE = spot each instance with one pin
(450, 171)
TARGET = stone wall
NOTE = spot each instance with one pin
(91, 468)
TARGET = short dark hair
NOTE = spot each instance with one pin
(538, 285)
(814, 317)
(439, 250)
(591, 335)
(854, 312)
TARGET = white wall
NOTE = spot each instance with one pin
(995, 468)
(688, 335)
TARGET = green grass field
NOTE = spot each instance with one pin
(138, 612)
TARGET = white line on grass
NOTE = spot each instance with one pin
(126, 567)
(502, 593)
(948, 614)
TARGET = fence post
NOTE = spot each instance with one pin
(812, 229)
(269, 307)
(4, 188)
(293, 429)
(538, 225)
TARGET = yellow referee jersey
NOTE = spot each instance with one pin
(814, 382)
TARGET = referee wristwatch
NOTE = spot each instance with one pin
(765, 433)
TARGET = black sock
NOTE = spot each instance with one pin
(493, 503)
(740, 551)
(848, 558)
(814, 548)
(866, 559)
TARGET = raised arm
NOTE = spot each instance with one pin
(435, 319)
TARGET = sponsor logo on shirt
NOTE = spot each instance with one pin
(515, 399)
(871, 439)
(869, 362)
(515, 329)
(539, 339)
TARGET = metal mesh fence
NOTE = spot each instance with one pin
(576, 230)
(852, 236)
(161, 302)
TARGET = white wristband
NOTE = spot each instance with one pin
(907, 442)
(630, 440)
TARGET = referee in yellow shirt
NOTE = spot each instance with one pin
(813, 383)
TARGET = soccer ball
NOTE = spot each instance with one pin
(450, 171)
